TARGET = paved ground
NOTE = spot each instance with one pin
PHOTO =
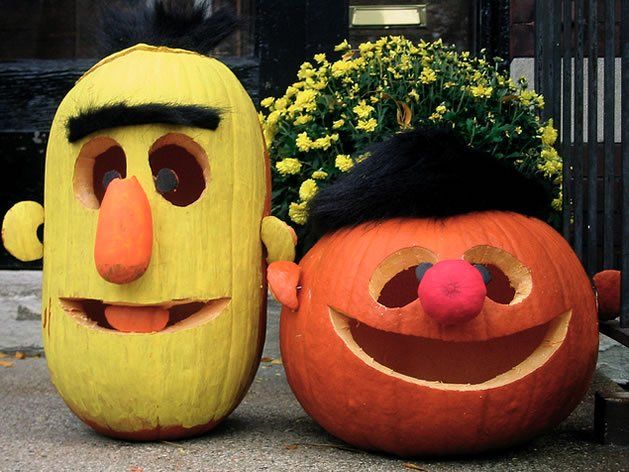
(269, 431)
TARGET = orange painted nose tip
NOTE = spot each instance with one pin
(124, 235)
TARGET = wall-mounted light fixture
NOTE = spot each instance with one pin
(387, 16)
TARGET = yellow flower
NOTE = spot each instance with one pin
(303, 142)
(320, 84)
(528, 97)
(337, 124)
(342, 67)
(324, 142)
(306, 100)
(307, 190)
(298, 212)
(291, 91)
(435, 117)
(288, 166)
(550, 154)
(343, 162)
(364, 48)
(302, 120)
(480, 91)
(441, 109)
(273, 117)
(549, 134)
(344, 46)
(518, 130)
(320, 58)
(319, 175)
(367, 125)
(281, 103)
(427, 76)
(267, 102)
(414, 95)
(363, 110)
(305, 71)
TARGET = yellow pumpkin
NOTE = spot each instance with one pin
(205, 262)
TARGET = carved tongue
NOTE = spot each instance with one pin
(136, 319)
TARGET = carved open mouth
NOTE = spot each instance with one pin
(181, 314)
(449, 365)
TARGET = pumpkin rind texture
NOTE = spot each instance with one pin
(185, 379)
(351, 389)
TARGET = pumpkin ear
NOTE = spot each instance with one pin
(19, 231)
(283, 278)
(607, 283)
(279, 239)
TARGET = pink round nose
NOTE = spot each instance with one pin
(452, 292)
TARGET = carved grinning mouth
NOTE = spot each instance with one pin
(448, 365)
(182, 314)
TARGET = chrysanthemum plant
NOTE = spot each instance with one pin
(326, 121)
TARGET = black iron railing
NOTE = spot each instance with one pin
(574, 39)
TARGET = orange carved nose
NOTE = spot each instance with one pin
(124, 236)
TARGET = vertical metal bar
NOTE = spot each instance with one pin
(548, 78)
(592, 107)
(624, 121)
(540, 32)
(566, 123)
(609, 126)
(579, 19)
(556, 62)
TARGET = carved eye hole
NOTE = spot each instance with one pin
(508, 280)
(100, 161)
(499, 287)
(180, 169)
(394, 282)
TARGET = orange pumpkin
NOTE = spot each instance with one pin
(369, 365)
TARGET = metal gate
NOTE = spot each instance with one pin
(581, 67)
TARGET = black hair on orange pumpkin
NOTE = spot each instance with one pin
(425, 173)
(181, 24)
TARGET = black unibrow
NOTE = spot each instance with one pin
(122, 114)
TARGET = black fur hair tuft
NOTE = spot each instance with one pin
(425, 173)
(174, 23)
(113, 115)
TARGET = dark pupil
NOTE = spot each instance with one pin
(484, 271)
(166, 180)
(109, 176)
(421, 269)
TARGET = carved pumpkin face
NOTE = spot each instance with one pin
(375, 365)
(194, 287)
